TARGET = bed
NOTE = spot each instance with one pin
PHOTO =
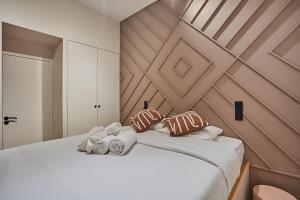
(155, 168)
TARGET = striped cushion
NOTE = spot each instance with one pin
(145, 118)
(185, 123)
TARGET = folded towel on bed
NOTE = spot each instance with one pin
(101, 147)
(123, 142)
(82, 146)
(97, 134)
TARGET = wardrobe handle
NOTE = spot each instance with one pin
(99, 106)
(95, 106)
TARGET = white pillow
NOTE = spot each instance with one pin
(208, 133)
(157, 125)
(160, 127)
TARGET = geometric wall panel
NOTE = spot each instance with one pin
(205, 59)
(204, 55)
(287, 50)
(183, 66)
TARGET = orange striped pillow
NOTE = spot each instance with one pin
(145, 118)
(185, 123)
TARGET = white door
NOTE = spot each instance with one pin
(22, 99)
(82, 91)
(108, 87)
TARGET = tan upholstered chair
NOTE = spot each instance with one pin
(266, 192)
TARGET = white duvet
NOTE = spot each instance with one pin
(225, 159)
(55, 170)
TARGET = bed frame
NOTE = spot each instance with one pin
(240, 190)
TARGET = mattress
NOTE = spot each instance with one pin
(56, 170)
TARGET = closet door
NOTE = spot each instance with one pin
(82, 91)
(108, 87)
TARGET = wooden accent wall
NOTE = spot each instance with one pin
(206, 54)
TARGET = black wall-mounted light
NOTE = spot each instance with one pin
(238, 110)
(146, 104)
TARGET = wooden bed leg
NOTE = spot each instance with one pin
(240, 190)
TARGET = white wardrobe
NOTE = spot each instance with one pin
(93, 88)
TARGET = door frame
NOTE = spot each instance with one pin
(1, 105)
(9, 53)
(64, 84)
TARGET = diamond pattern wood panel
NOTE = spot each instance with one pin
(204, 55)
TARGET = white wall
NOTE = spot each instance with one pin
(65, 19)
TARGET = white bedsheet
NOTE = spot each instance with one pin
(56, 170)
(225, 159)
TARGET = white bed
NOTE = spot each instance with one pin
(56, 170)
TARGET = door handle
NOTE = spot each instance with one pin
(8, 118)
(6, 122)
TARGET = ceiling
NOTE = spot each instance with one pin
(116, 9)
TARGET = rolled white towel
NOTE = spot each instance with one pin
(98, 136)
(89, 146)
(113, 129)
(98, 133)
(101, 147)
(82, 146)
(122, 143)
(93, 140)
